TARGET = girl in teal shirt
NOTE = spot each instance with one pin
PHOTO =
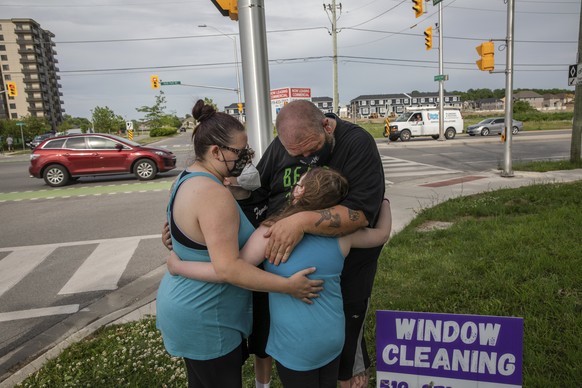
(306, 340)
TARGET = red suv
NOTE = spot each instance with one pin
(59, 159)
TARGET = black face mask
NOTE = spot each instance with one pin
(319, 158)
(245, 156)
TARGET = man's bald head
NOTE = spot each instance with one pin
(298, 118)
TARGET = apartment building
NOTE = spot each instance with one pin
(27, 58)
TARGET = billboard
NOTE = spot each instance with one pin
(282, 96)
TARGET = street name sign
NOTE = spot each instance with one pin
(574, 75)
(441, 77)
(171, 83)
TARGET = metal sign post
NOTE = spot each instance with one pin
(21, 124)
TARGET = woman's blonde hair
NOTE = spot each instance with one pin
(323, 187)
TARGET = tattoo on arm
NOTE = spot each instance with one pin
(354, 215)
(326, 215)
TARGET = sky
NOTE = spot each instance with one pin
(108, 49)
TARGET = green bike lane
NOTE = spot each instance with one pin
(71, 191)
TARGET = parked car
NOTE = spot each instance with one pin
(494, 126)
(58, 160)
(39, 139)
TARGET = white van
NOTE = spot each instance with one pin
(424, 122)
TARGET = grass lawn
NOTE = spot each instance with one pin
(513, 252)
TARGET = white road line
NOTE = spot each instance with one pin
(103, 268)
(394, 168)
(17, 264)
(40, 312)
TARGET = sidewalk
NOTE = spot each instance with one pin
(137, 299)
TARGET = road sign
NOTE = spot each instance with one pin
(435, 2)
(575, 75)
(441, 77)
(171, 83)
(129, 125)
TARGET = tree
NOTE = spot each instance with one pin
(105, 120)
(523, 107)
(35, 126)
(74, 122)
(208, 101)
(154, 114)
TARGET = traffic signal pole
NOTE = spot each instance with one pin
(255, 66)
(507, 165)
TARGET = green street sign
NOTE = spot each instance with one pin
(435, 2)
(171, 83)
(441, 77)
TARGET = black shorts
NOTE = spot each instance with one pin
(324, 377)
(261, 321)
(224, 371)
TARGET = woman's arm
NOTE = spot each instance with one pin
(218, 221)
(373, 237)
(252, 253)
(196, 270)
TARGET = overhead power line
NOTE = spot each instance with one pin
(376, 60)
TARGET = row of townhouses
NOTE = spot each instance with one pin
(385, 105)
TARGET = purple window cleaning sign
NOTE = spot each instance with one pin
(429, 350)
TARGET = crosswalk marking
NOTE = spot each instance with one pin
(103, 268)
(396, 168)
(17, 264)
(22, 260)
(40, 312)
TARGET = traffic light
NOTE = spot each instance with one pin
(155, 81)
(417, 7)
(428, 38)
(240, 107)
(12, 91)
(227, 8)
(487, 52)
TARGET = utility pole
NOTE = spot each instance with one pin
(507, 165)
(238, 91)
(575, 145)
(441, 81)
(333, 9)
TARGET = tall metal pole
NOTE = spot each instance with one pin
(335, 75)
(576, 143)
(255, 66)
(441, 81)
(240, 109)
(240, 113)
(507, 167)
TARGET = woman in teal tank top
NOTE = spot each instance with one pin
(204, 322)
(306, 339)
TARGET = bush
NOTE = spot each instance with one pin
(163, 131)
(543, 116)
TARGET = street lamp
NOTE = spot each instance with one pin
(233, 38)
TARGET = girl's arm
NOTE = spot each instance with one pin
(373, 237)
